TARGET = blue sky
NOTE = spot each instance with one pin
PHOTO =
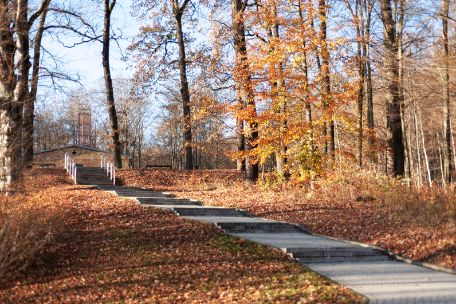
(85, 60)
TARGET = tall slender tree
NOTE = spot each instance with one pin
(29, 103)
(248, 136)
(395, 100)
(329, 125)
(178, 12)
(238, 8)
(446, 94)
(117, 154)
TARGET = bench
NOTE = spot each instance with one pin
(158, 167)
(44, 165)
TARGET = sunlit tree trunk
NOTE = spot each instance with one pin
(29, 104)
(109, 6)
(280, 103)
(13, 87)
(307, 104)
(417, 144)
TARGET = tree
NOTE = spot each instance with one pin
(395, 100)
(246, 100)
(326, 81)
(108, 8)
(15, 64)
(29, 104)
(446, 94)
(178, 12)
(156, 51)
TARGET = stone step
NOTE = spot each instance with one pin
(376, 258)
(210, 211)
(137, 194)
(148, 194)
(162, 201)
(94, 183)
(108, 187)
(93, 179)
(332, 252)
(239, 227)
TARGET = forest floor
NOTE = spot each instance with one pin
(419, 224)
(103, 249)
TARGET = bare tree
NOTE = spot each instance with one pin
(15, 64)
(108, 8)
(178, 12)
(447, 168)
(29, 104)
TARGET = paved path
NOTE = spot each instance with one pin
(365, 270)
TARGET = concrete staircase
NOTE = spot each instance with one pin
(288, 237)
(92, 176)
(366, 270)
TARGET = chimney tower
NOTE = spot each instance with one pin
(84, 128)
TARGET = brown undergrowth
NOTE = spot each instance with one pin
(27, 221)
(419, 224)
(111, 250)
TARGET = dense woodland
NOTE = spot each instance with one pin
(300, 88)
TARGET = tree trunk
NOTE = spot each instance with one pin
(240, 52)
(279, 90)
(426, 158)
(393, 107)
(417, 146)
(326, 81)
(13, 89)
(359, 23)
(446, 95)
(309, 142)
(369, 89)
(29, 105)
(108, 83)
(243, 80)
(185, 93)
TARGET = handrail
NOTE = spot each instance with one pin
(71, 167)
(110, 169)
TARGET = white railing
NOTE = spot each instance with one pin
(71, 168)
(109, 168)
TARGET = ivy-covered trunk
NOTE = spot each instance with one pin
(10, 142)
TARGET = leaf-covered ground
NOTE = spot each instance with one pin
(110, 250)
(417, 224)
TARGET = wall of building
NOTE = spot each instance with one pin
(83, 156)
